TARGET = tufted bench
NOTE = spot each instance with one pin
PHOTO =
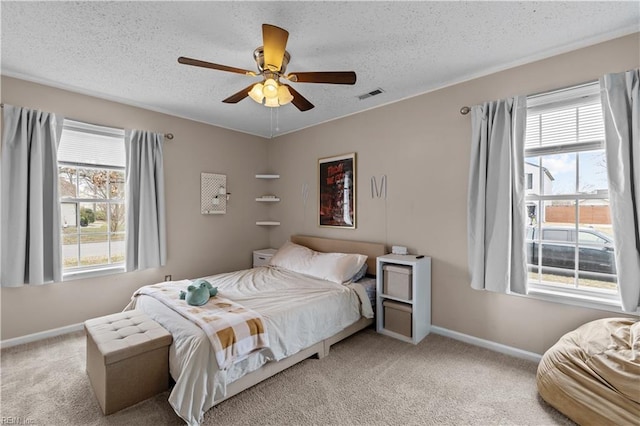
(127, 359)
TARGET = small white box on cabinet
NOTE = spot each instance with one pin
(261, 257)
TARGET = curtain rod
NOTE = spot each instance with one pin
(465, 109)
(168, 136)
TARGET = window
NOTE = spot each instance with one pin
(529, 181)
(568, 195)
(91, 179)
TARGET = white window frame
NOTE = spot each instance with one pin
(80, 272)
(586, 297)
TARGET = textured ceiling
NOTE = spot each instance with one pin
(127, 51)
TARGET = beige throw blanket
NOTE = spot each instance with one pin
(234, 331)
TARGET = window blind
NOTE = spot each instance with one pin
(89, 144)
(567, 117)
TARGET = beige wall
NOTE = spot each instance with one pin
(422, 145)
(197, 244)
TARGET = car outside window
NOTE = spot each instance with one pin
(590, 238)
(556, 235)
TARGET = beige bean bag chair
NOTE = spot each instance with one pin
(592, 375)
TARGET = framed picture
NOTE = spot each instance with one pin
(337, 189)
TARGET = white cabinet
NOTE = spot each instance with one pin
(403, 302)
(267, 198)
(261, 257)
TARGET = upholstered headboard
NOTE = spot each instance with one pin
(328, 245)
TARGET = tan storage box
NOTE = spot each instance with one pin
(397, 317)
(397, 281)
(127, 359)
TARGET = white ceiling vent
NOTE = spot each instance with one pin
(370, 94)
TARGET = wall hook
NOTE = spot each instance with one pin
(379, 192)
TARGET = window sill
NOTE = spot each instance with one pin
(94, 272)
(606, 302)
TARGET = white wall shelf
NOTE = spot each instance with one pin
(268, 199)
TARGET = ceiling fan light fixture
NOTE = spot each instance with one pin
(272, 93)
(270, 89)
(284, 96)
(271, 102)
(256, 93)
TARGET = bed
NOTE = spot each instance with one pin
(592, 374)
(303, 315)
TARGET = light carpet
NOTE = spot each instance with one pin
(367, 379)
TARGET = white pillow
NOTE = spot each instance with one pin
(335, 267)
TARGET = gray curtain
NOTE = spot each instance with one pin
(145, 225)
(496, 213)
(620, 105)
(30, 209)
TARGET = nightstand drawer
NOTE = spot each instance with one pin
(261, 257)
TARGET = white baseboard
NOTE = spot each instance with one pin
(41, 335)
(487, 344)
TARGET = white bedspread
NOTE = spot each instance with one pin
(298, 310)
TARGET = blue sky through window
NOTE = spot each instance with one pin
(592, 171)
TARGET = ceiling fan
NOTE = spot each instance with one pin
(272, 60)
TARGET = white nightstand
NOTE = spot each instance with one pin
(261, 257)
(404, 297)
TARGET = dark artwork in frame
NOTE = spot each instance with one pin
(337, 189)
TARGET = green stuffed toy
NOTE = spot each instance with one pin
(198, 294)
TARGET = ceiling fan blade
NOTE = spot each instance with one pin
(298, 100)
(211, 65)
(329, 77)
(237, 97)
(274, 40)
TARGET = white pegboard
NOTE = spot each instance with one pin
(213, 193)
